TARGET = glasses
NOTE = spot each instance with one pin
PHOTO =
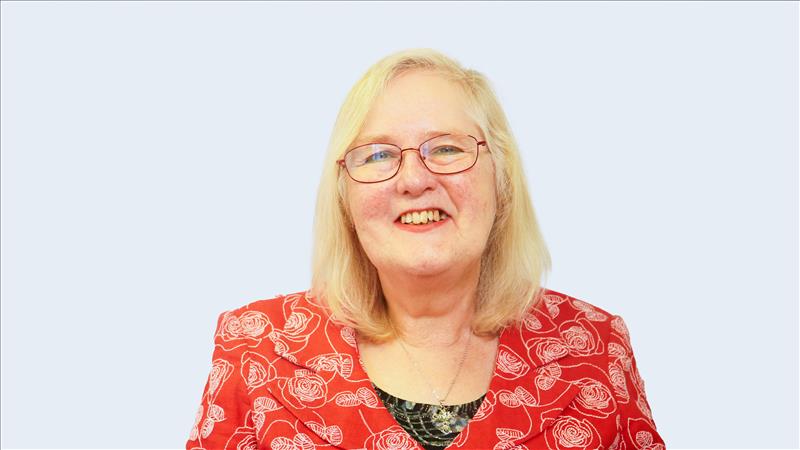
(445, 154)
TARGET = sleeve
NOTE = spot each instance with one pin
(636, 428)
(223, 419)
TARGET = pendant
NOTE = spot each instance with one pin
(442, 418)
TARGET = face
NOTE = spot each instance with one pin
(415, 107)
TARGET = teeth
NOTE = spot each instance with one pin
(422, 217)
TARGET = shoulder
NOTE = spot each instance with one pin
(269, 319)
(279, 310)
(560, 304)
(573, 315)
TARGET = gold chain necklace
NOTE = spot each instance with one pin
(442, 417)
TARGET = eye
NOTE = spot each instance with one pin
(379, 156)
(446, 150)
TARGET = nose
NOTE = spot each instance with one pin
(413, 176)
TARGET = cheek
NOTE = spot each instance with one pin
(368, 206)
(475, 196)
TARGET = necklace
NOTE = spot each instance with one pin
(442, 417)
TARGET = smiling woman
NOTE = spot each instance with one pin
(426, 324)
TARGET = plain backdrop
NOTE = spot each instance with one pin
(160, 164)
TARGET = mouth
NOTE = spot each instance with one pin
(422, 217)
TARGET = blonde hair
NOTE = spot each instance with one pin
(515, 259)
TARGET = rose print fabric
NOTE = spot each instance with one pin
(284, 376)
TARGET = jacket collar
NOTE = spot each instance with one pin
(525, 392)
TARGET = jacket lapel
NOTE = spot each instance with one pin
(526, 389)
(321, 381)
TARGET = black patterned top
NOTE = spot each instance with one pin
(432, 426)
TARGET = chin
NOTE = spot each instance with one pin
(414, 266)
(428, 267)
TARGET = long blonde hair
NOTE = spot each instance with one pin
(515, 259)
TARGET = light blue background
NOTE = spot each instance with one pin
(160, 163)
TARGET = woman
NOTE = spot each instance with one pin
(426, 325)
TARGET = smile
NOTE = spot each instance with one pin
(422, 217)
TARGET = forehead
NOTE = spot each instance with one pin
(416, 105)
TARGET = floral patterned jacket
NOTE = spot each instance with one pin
(284, 376)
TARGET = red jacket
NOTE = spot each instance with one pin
(284, 376)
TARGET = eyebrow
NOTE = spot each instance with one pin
(386, 139)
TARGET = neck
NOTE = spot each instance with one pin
(434, 311)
